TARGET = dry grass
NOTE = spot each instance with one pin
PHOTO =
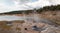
(18, 28)
(19, 21)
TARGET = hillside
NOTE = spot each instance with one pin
(46, 8)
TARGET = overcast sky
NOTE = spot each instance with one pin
(11, 5)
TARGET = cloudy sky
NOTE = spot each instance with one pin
(11, 5)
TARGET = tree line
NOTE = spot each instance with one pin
(46, 8)
(49, 8)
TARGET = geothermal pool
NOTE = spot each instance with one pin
(10, 18)
(27, 18)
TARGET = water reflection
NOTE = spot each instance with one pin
(10, 18)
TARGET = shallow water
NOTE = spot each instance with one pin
(10, 18)
(29, 18)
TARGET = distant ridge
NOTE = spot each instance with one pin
(46, 8)
(17, 12)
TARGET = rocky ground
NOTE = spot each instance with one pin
(48, 22)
